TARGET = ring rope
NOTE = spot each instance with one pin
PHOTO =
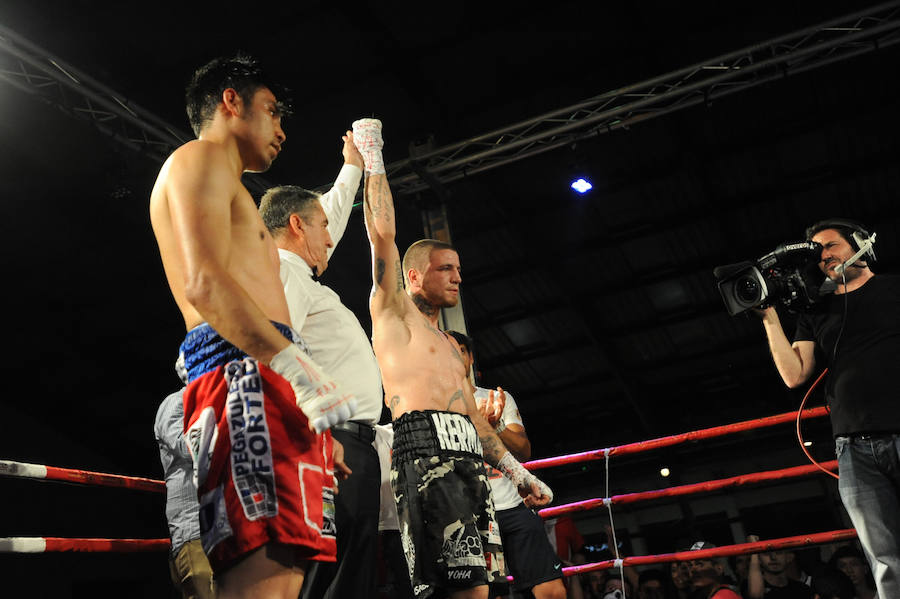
(820, 538)
(707, 433)
(84, 477)
(612, 526)
(690, 489)
(58, 544)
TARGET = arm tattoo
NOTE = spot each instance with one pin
(493, 448)
(458, 396)
(457, 356)
(379, 270)
(394, 401)
(424, 307)
(399, 276)
(381, 204)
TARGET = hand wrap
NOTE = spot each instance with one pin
(367, 137)
(317, 394)
(520, 477)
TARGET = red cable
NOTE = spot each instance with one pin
(800, 434)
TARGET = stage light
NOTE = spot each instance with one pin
(581, 185)
(807, 444)
(664, 472)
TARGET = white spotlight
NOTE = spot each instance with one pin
(664, 472)
(581, 185)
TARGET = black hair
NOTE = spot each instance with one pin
(844, 227)
(241, 73)
(463, 340)
(833, 583)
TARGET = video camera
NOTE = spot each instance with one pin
(790, 275)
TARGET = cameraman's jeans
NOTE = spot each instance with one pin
(869, 467)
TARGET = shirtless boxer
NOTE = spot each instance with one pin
(256, 455)
(440, 438)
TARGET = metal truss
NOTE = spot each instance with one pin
(34, 71)
(45, 77)
(817, 46)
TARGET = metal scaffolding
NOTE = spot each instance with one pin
(51, 80)
(36, 72)
(816, 46)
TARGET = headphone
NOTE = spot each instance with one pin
(860, 239)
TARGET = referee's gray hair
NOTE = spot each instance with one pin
(279, 203)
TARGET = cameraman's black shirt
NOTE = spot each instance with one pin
(862, 382)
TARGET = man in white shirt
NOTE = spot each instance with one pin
(306, 228)
(530, 558)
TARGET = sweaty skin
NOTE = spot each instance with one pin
(219, 259)
(421, 366)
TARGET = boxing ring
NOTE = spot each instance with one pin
(38, 472)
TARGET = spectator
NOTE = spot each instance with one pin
(851, 562)
(768, 579)
(681, 578)
(707, 576)
(832, 584)
(652, 584)
(740, 565)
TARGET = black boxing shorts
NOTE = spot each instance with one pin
(447, 523)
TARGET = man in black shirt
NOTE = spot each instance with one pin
(856, 332)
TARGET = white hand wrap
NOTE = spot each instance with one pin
(520, 477)
(501, 426)
(367, 137)
(317, 394)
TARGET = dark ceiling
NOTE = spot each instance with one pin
(598, 312)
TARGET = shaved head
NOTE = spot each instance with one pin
(419, 254)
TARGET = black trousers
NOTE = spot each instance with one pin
(356, 516)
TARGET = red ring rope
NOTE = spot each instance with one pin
(708, 433)
(57, 544)
(85, 477)
(725, 550)
(704, 487)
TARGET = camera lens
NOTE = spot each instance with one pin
(747, 290)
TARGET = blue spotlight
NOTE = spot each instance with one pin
(582, 185)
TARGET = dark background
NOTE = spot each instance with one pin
(599, 312)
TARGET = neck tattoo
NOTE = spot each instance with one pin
(426, 308)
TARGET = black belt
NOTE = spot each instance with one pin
(365, 432)
(871, 436)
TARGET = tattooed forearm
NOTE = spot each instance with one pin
(493, 448)
(399, 270)
(379, 270)
(424, 307)
(379, 191)
(458, 396)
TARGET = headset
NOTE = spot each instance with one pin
(863, 245)
(860, 240)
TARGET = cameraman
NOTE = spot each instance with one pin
(856, 332)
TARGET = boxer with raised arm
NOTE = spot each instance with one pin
(440, 439)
